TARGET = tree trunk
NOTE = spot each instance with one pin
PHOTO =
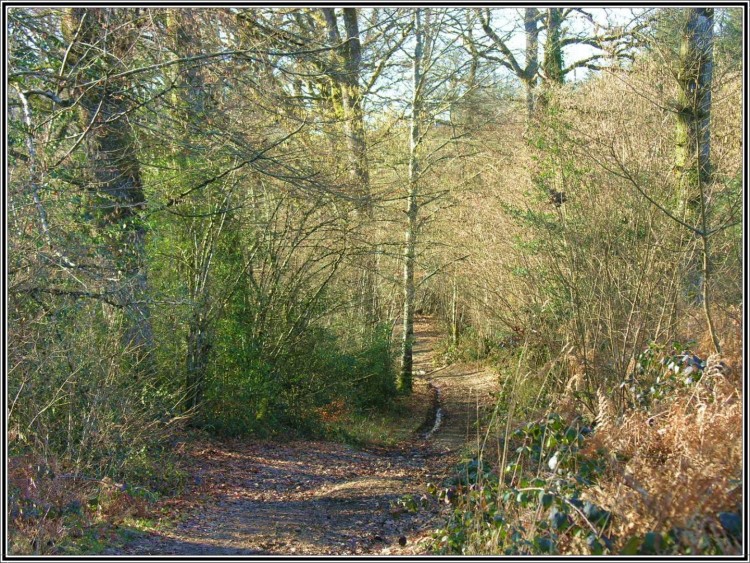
(198, 347)
(114, 164)
(553, 56)
(693, 134)
(455, 330)
(693, 145)
(412, 210)
(354, 123)
(531, 27)
(347, 75)
(354, 126)
(347, 79)
(552, 65)
(705, 295)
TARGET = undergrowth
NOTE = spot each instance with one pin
(54, 510)
(475, 346)
(653, 469)
(377, 426)
(257, 394)
(76, 477)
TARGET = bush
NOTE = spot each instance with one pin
(263, 395)
(474, 345)
(638, 486)
(77, 398)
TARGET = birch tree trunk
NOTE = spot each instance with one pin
(455, 329)
(693, 145)
(412, 210)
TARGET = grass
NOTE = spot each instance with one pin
(385, 427)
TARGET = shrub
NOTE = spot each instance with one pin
(666, 478)
(263, 395)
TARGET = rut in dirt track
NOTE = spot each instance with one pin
(305, 498)
(465, 392)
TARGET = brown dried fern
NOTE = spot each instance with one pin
(605, 416)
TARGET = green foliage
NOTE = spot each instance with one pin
(540, 504)
(678, 541)
(474, 345)
(410, 503)
(659, 372)
(251, 392)
(487, 508)
(88, 409)
(155, 472)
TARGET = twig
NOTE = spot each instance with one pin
(437, 370)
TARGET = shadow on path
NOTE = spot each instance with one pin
(321, 498)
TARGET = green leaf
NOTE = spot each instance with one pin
(732, 523)
(544, 545)
(631, 547)
(594, 545)
(546, 499)
(651, 544)
(570, 435)
(558, 519)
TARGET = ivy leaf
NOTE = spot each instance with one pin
(570, 435)
(631, 547)
(559, 520)
(546, 499)
(732, 523)
(595, 514)
(544, 545)
(651, 544)
(594, 545)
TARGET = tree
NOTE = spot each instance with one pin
(100, 42)
(439, 74)
(615, 43)
(346, 75)
(190, 107)
(332, 75)
(698, 205)
(553, 68)
(693, 138)
(412, 205)
(528, 73)
(693, 132)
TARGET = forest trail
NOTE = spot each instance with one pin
(314, 497)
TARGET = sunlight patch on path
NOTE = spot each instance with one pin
(324, 498)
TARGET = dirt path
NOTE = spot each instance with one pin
(328, 498)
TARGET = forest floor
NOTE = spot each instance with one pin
(324, 498)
